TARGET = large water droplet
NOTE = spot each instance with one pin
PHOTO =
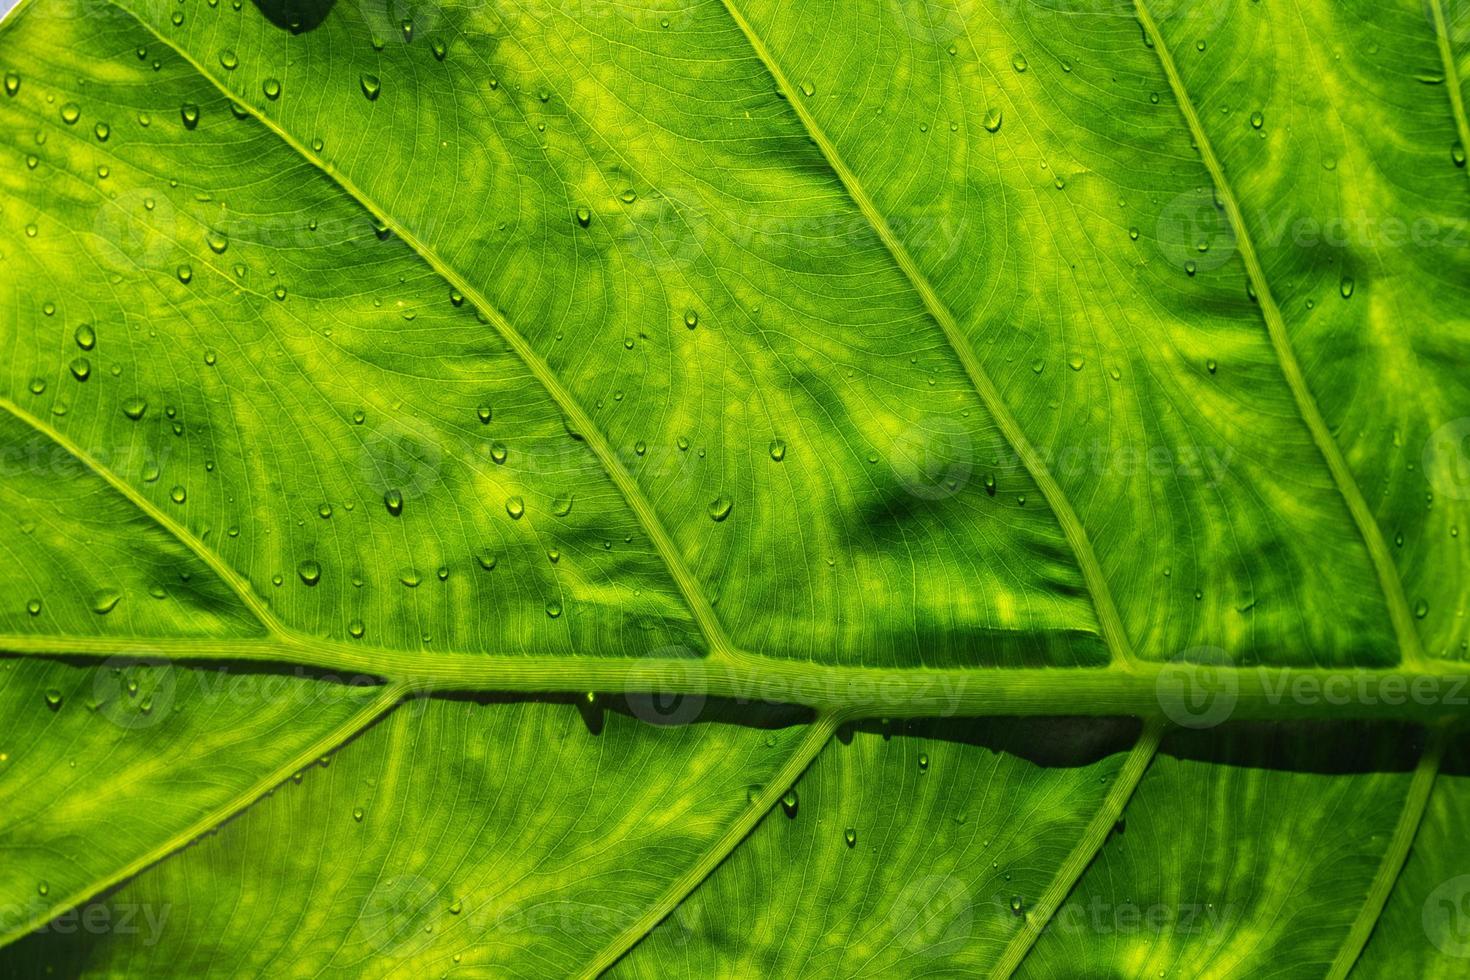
(81, 368)
(53, 698)
(993, 119)
(778, 449)
(134, 408)
(371, 86)
(515, 507)
(70, 113)
(85, 336)
(189, 112)
(790, 802)
(310, 571)
(105, 601)
(272, 89)
(850, 835)
(393, 500)
(719, 508)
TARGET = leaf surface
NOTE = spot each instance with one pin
(425, 370)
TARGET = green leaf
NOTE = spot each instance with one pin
(718, 487)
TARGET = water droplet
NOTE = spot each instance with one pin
(553, 609)
(358, 814)
(134, 408)
(923, 762)
(12, 83)
(355, 629)
(584, 216)
(1190, 267)
(272, 88)
(178, 494)
(1133, 233)
(280, 292)
(484, 414)
(790, 802)
(1076, 362)
(808, 89)
(691, 319)
(850, 835)
(1018, 907)
(719, 508)
(1211, 365)
(1421, 609)
(393, 500)
(437, 46)
(185, 273)
(85, 336)
(189, 112)
(562, 506)
(102, 131)
(1346, 287)
(70, 113)
(228, 60)
(1020, 63)
(310, 571)
(53, 698)
(81, 368)
(218, 241)
(371, 86)
(486, 560)
(993, 119)
(105, 601)
(778, 449)
(516, 508)
(38, 386)
(498, 452)
(1257, 120)
(990, 485)
(43, 888)
(1457, 154)
(34, 607)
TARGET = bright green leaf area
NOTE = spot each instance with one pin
(734, 488)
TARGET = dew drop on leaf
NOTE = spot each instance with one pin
(178, 494)
(393, 500)
(189, 112)
(553, 609)
(515, 507)
(719, 508)
(850, 836)
(790, 802)
(584, 216)
(778, 449)
(134, 408)
(81, 368)
(309, 571)
(993, 119)
(105, 601)
(12, 83)
(371, 86)
(272, 88)
(85, 336)
(70, 113)
(53, 698)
